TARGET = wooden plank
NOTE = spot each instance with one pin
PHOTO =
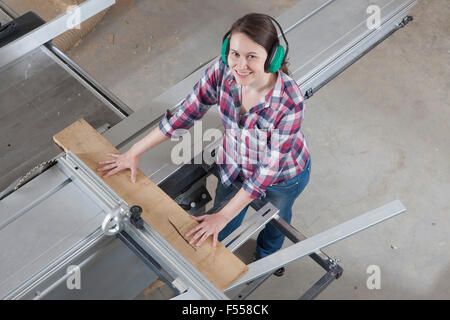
(218, 264)
(158, 283)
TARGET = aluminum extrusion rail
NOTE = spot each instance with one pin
(321, 240)
(50, 30)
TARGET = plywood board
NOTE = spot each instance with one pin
(218, 264)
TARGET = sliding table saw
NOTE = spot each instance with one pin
(55, 213)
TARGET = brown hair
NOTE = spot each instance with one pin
(260, 29)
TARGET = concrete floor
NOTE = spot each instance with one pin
(154, 39)
(378, 132)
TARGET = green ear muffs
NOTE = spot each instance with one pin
(274, 60)
(225, 49)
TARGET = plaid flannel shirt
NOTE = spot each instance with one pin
(264, 146)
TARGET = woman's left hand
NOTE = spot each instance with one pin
(211, 224)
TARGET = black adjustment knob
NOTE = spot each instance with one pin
(135, 217)
(139, 224)
(136, 211)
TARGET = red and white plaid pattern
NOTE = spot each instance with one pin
(264, 146)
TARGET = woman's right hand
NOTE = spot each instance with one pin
(128, 160)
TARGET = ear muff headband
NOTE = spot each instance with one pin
(279, 55)
(275, 58)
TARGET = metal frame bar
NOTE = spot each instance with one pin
(8, 10)
(252, 225)
(111, 100)
(251, 286)
(72, 166)
(333, 270)
(178, 271)
(322, 283)
(151, 241)
(321, 240)
(148, 260)
(50, 30)
(330, 69)
(64, 259)
(100, 193)
(323, 260)
(131, 236)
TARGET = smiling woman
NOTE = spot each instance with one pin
(260, 30)
(250, 82)
(252, 50)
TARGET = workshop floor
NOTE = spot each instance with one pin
(378, 132)
(142, 48)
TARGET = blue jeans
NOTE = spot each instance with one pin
(282, 196)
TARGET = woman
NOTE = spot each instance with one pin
(250, 83)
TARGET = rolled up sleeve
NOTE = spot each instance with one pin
(195, 105)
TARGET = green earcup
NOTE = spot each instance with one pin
(224, 51)
(275, 56)
(277, 60)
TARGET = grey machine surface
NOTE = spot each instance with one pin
(56, 214)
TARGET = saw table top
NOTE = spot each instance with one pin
(218, 264)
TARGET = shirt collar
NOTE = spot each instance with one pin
(277, 91)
